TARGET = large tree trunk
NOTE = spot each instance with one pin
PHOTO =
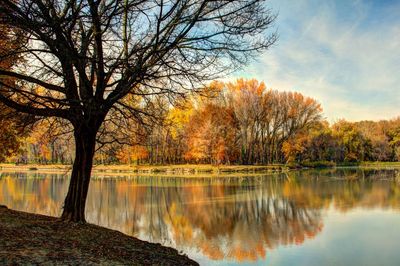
(74, 205)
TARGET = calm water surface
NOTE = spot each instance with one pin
(329, 217)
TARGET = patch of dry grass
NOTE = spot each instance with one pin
(187, 170)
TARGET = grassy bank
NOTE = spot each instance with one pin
(192, 170)
(37, 240)
(370, 164)
(313, 165)
(183, 169)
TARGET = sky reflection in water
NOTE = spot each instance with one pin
(328, 217)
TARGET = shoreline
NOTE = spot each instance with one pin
(37, 239)
(184, 170)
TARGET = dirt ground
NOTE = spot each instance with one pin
(30, 239)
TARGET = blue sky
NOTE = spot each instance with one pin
(345, 54)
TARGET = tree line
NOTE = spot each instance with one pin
(239, 122)
(79, 62)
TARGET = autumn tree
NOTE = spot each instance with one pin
(10, 135)
(394, 141)
(248, 122)
(132, 154)
(9, 131)
(313, 144)
(173, 131)
(268, 118)
(89, 55)
(295, 147)
(210, 135)
(356, 147)
(245, 97)
(382, 136)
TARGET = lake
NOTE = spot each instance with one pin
(344, 216)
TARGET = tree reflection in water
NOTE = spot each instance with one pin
(237, 218)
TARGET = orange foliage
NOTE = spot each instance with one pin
(129, 154)
(210, 134)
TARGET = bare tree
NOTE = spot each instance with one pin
(82, 58)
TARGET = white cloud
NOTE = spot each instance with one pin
(347, 57)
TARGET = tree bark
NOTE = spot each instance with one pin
(74, 204)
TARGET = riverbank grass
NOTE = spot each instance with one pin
(179, 169)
